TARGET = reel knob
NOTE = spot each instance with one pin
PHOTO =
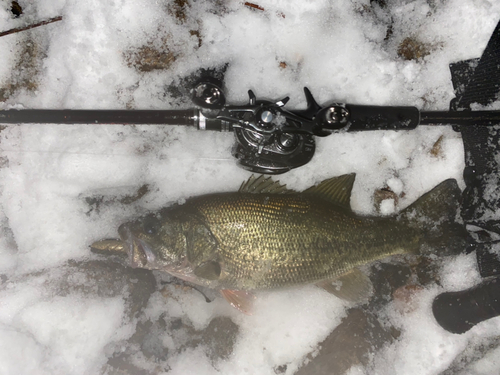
(333, 117)
(287, 142)
(209, 95)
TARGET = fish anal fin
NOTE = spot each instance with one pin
(263, 185)
(208, 270)
(336, 190)
(353, 286)
(239, 299)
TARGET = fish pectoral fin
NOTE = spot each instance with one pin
(239, 299)
(208, 270)
(353, 286)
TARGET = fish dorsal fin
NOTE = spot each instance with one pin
(336, 190)
(353, 286)
(261, 184)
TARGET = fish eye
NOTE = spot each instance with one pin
(151, 225)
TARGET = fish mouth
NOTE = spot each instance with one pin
(139, 252)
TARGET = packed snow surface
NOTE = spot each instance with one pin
(62, 186)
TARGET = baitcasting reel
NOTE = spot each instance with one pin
(271, 139)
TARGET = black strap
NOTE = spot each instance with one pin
(483, 85)
(477, 81)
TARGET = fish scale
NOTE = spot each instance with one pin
(288, 239)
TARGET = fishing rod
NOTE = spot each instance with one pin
(270, 139)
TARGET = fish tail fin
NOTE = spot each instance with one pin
(436, 216)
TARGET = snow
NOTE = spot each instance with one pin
(58, 316)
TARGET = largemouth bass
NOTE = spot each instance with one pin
(266, 236)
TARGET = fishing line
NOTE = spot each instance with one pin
(42, 152)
